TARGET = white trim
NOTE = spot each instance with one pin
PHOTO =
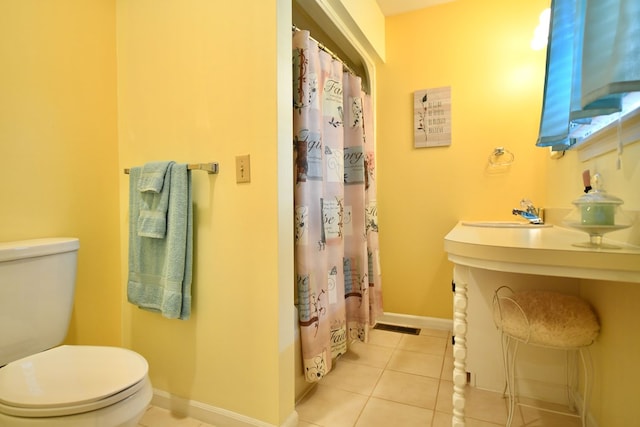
(606, 140)
(210, 414)
(331, 13)
(416, 321)
(291, 421)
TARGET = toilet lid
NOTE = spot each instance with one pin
(69, 376)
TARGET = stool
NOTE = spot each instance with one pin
(545, 319)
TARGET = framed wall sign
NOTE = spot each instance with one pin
(432, 117)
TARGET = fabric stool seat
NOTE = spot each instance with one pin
(544, 319)
(547, 318)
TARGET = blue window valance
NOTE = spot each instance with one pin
(593, 60)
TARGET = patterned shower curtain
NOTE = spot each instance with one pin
(338, 286)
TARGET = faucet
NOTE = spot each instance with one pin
(528, 212)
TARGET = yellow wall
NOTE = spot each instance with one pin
(496, 83)
(615, 352)
(617, 304)
(192, 87)
(196, 83)
(70, 121)
(564, 180)
(58, 145)
(368, 18)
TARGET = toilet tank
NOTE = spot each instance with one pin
(37, 284)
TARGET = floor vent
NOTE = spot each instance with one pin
(396, 328)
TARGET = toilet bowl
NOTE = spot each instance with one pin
(75, 386)
(43, 383)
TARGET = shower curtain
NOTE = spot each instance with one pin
(338, 280)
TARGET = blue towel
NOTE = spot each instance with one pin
(160, 270)
(154, 184)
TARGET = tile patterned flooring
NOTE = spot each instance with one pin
(394, 380)
(405, 381)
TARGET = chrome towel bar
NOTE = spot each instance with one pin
(211, 168)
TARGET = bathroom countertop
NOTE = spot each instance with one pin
(544, 251)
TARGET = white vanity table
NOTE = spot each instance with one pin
(487, 257)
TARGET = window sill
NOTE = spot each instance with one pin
(606, 140)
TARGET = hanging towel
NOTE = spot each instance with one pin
(160, 269)
(152, 176)
(154, 184)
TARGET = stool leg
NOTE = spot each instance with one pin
(507, 391)
(587, 364)
(505, 363)
(572, 377)
(511, 378)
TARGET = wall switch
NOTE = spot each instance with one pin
(243, 169)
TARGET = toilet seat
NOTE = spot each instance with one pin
(69, 380)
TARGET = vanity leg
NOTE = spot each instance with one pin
(459, 347)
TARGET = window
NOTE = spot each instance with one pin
(592, 78)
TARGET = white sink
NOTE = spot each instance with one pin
(504, 224)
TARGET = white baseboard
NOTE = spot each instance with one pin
(416, 321)
(210, 414)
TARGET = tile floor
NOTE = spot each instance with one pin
(394, 380)
(405, 380)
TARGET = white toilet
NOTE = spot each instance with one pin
(45, 385)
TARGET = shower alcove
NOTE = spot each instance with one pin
(355, 35)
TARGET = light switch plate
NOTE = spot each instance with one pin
(243, 169)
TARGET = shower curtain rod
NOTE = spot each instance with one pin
(333, 55)
(211, 168)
